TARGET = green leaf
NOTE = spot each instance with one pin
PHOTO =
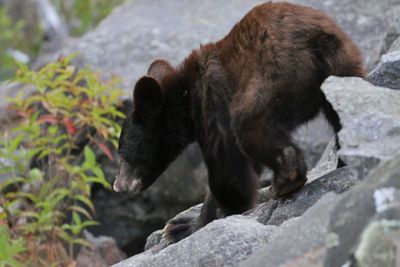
(90, 157)
(15, 142)
(35, 174)
(76, 218)
(86, 201)
(80, 210)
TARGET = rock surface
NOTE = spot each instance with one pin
(221, 243)
(366, 220)
(370, 118)
(102, 253)
(275, 212)
(395, 45)
(387, 73)
(297, 237)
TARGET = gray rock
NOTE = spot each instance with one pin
(393, 27)
(223, 242)
(184, 182)
(362, 214)
(53, 25)
(275, 212)
(395, 45)
(313, 138)
(387, 73)
(103, 252)
(297, 239)
(327, 163)
(370, 118)
(153, 239)
(380, 243)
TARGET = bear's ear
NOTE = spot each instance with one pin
(159, 69)
(147, 98)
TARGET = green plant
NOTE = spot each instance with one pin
(46, 199)
(83, 15)
(9, 248)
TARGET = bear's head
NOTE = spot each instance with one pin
(143, 146)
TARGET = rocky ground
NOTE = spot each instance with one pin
(341, 217)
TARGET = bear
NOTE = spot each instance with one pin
(240, 99)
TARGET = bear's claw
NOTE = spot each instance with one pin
(178, 229)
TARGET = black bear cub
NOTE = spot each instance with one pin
(239, 98)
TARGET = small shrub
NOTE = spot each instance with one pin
(45, 201)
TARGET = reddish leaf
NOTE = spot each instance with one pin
(105, 150)
(48, 118)
(23, 114)
(70, 126)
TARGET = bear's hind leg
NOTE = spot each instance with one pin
(290, 174)
(266, 142)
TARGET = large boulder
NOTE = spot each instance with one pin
(299, 241)
(366, 221)
(275, 212)
(370, 118)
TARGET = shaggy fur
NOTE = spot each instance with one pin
(240, 98)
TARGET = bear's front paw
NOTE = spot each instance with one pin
(281, 187)
(177, 229)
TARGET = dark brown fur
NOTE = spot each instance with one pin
(241, 98)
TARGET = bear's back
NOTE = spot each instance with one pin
(282, 42)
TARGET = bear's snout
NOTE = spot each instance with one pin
(124, 184)
(126, 180)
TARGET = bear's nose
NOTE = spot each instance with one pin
(126, 180)
(124, 184)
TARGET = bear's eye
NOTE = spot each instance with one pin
(122, 154)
